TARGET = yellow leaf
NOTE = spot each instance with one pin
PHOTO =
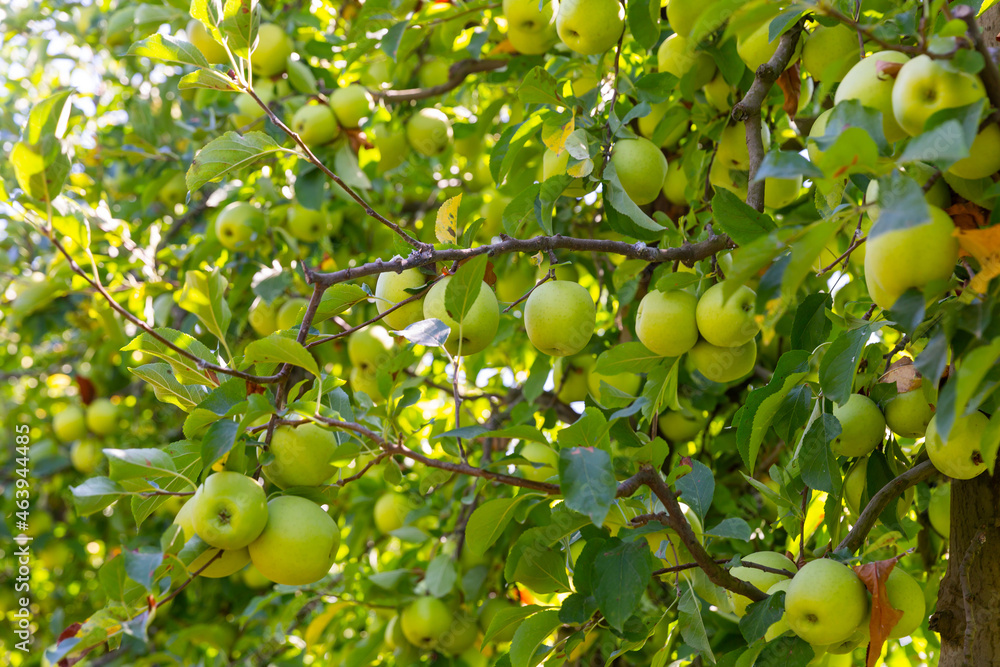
(984, 245)
(446, 227)
(555, 138)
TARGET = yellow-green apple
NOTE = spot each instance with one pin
(369, 347)
(299, 544)
(761, 579)
(939, 509)
(873, 88)
(351, 105)
(675, 184)
(489, 610)
(780, 192)
(908, 414)
(425, 621)
(307, 224)
(391, 288)
(681, 118)
(252, 578)
(959, 456)
(301, 456)
(723, 364)
(683, 16)
(229, 510)
(392, 147)
(85, 455)
(492, 212)
(315, 124)
(718, 93)
(733, 152)
(584, 80)
(905, 595)
(682, 425)
(725, 315)
(102, 417)
(238, 224)
(665, 322)
(460, 636)
(273, 48)
(545, 458)
(263, 318)
(780, 626)
(855, 482)
(677, 56)
(627, 383)
(173, 191)
(554, 164)
(69, 424)
(365, 380)
(231, 560)
(390, 512)
(818, 130)
(925, 86)
(429, 132)
(903, 258)
(289, 314)
(756, 47)
(862, 426)
(641, 168)
(530, 26)
(830, 52)
(984, 155)
(474, 331)
(826, 602)
(202, 39)
(560, 317)
(590, 27)
(571, 375)
(247, 110)
(394, 637)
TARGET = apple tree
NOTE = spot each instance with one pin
(467, 333)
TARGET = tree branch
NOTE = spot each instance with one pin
(991, 73)
(456, 75)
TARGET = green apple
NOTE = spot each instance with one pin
(826, 602)
(830, 53)
(351, 105)
(675, 184)
(460, 636)
(488, 611)
(627, 383)
(984, 155)
(862, 427)
(365, 380)
(905, 595)
(391, 288)
(315, 124)
(939, 509)
(530, 26)
(69, 424)
(238, 225)
(780, 192)
(679, 57)
(290, 313)
(174, 191)
(429, 132)
(202, 39)
(394, 637)
(759, 578)
(433, 72)
(369, 347)
(718, 93)
(390, 512)
(903, 258)
(683, 16)
(908, 414)
(732, 152)
(307, 224)
(679, 120)
(723, 364)
(479, 326)
(779, 627)
(590, 27)
(392, 147)
(925, 86)
(560, 317)
(641, 168)
(756, 47)
(873, 89)
(555, 164)
(229, 510)
(247, 110)
(85, 455)
(425, 622)
(299, 543)
(546, 458)
(231, 560)
(102, 417)
(818, 130)
(273, 47)
(959, 457)
(855, 482)
(665, 322)
(571, 375)
(583, 80)
(725, 315)
(682, 425)
(302, 456)
(252, 578)
(492, 212)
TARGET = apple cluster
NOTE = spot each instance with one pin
(72, 424)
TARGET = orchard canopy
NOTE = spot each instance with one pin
(391, 332)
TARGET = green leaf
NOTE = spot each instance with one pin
(218, 441)
(677, 280)
(277, 349)
(621, 575)
(590, 430)
(521, 209)
(631, 357)
(788, 650)
(391, 38)
(526, 648)
(901, 203)
(206, 78)
(169, 49)
(963, 385)
(40, 169)
(228, 154)
(186, 457)
(734, 217)
(840, 363)
(644, 22)
(804, 253)
(141, 566)
(538, 87)
(488, 522)
(697, 488)
(732, 528)
(507, 618)
(185, 369)
(168, 389)
(947, 137)
(763, 403)
(816, 459)
(441, 576)
(240, 20)
(786, 164)
(509, 145)
(95, 494)
(203, 295)
(761, 615)
(129, 463)
(642, 226)
(463, 288)
(48, 118)
(345, 163)
(811, 326)
(587, 481)
(691, 624)
(431, 333)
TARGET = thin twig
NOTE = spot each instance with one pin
(456, 75)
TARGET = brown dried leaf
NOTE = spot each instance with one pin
(490, 277)
(790, 83)
(904, 374)
(358, 140)
(967, 215)
(87, 390)
(887, 68)
(883, 617)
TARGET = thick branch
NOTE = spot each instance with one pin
(686, 253)
(991, 73)
(918, 473)
(456, 75)
(748, 109)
